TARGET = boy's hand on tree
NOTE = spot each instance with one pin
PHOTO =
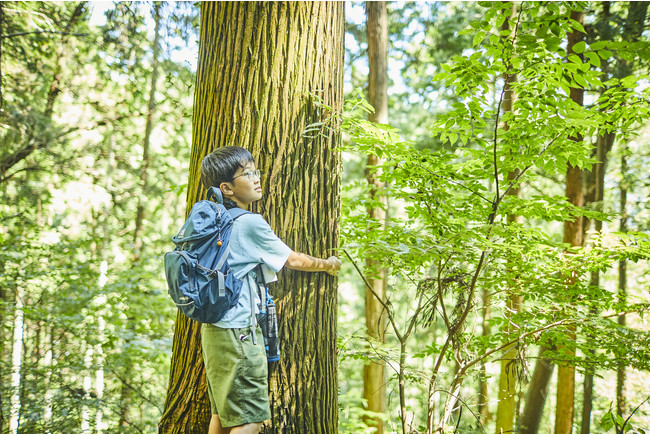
(336, 265)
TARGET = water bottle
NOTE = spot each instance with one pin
(271, 335)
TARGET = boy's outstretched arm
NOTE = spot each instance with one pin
(303, 262)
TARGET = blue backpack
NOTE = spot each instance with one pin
(199, 278)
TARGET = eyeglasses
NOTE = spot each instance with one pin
(252, 175)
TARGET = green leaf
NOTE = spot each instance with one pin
(500, 19)
(605, 54)
(478, 38)
(598, 45)
(580, 80)
(629, 81)
(593, 58)
(579, 47)
(575, 59)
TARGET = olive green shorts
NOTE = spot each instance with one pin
(236, 371)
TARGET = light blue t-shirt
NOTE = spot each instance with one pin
(252, 242)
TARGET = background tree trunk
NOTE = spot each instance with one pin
(126, 392)
(2, 26)
(374, 371)
(573, 236)
(262, 70)
(483, 395)
(137, 235)
(16, 361)
(594, 193)
(537, 391)
(622, 280)
(509, 360)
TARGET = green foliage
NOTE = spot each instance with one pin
(75, 101)
(449, 236)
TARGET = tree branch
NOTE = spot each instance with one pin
(13, 35)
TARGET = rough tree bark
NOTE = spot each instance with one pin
(262, 68)
(374, 371)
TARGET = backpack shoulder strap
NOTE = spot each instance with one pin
(235, 213)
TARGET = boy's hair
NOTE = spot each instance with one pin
(222, 163)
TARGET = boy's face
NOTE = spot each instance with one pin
(245, 188)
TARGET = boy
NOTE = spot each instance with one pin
(236, 369)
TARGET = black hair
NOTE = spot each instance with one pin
(221, 164)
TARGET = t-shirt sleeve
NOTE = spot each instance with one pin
(266, 246)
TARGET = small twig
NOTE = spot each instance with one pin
(525, 169)
(456, 183)
(495, 141)
(440, 295)
(632, 414)
(384, 304)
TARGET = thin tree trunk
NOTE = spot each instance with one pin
(126, 391)
(87, 388)
(262, 69)
(595, 194)
(622, 281)
(49, 391)
(101, 299)
(509, 360)
(374, 371)
(537, 392)
(16, 360)
(2, 28)
(483, 397)
(573, 236)
(632, 30)
(137, 236)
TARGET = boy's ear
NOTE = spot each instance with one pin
(226, 189)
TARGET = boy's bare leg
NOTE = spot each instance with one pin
(250, 428)
(216, 428)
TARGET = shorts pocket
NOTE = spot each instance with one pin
(255, 358)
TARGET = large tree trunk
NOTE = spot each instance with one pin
(262, 69)
(374, 371)
(573, 236)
